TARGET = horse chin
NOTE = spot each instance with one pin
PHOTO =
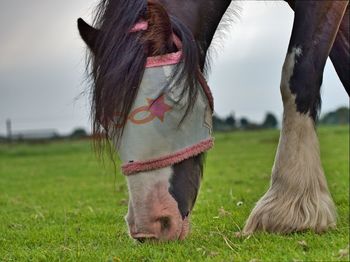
(185, 228)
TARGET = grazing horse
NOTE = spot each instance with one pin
(129, 35)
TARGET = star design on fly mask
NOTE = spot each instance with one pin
(158, 107)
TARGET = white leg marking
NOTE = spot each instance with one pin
(298, 198)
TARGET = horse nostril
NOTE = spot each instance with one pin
(165, 223)
(141, 240)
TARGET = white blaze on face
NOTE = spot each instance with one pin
(141, 184)
(153, 212)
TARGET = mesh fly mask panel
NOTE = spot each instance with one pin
(153, 137)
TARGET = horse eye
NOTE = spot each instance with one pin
(165, 223)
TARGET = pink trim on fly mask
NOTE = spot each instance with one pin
(162, 60)
(167, 59)
(161, 162)
(140, 26)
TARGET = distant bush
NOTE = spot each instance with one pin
(230, 123)
(341, 116)
(78, 133)
(270, 121)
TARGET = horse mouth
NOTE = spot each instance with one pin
(143, 237)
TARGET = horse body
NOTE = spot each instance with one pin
(201, 17)
(298, 197)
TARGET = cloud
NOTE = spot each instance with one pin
(41, 70)
(42, 64)
(246, 75)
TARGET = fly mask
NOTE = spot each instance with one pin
(154, 136)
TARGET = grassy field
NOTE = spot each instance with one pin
(58, 203)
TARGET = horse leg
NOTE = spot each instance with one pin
(340, 51)
(340, 55)
(298, 197)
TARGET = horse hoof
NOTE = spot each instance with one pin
(287, 213)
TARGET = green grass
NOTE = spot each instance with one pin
(58, 203)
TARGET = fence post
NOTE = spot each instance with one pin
(9, 130)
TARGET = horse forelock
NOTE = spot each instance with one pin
(158, 38)
(117, 65)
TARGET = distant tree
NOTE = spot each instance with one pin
(216, 119)
(217, 122)
(230, 120)
(226, 124)
(244, 122)
(339, 117)
(270, 121)
(343, 115)
(79, 133)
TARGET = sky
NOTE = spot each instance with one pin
(42, 64)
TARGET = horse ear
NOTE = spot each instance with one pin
(88, 34)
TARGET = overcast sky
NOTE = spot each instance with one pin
(42, 64)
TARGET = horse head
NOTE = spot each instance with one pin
(150, 99)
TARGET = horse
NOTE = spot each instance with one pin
(127, 33)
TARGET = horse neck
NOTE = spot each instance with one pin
(209, 26)
(202, 17)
